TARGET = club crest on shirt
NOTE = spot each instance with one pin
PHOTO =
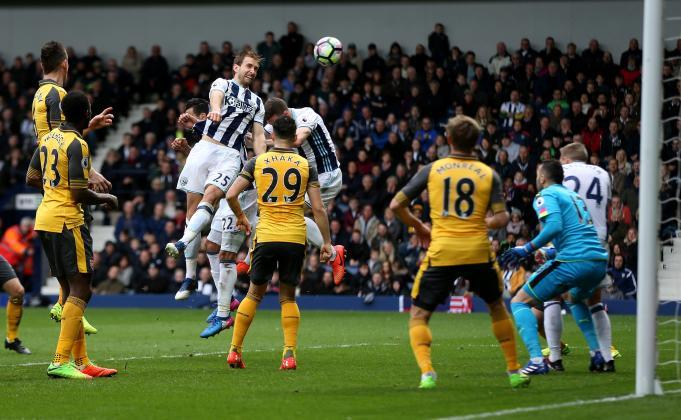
(85, 163)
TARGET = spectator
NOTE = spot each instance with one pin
(17, 247)
(291, 45)
(311, 283)
(619, 219)
(267, 49)
(438, 44)
(426, 134)
(592, 136)
(154, 74)
(618, 178)
(367, 223)
(130, 221)
(624, 280)
(111, 285)
(511, 111)
(632, 52)
(499, 60)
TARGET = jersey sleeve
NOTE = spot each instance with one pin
(79, 164)
(248, 171)
(53, 107)
(496, 201)
(417, 184)
(313, 178)
(220, 85)
(34, 168)
(544, 205)
(306, 118)
(259, 113)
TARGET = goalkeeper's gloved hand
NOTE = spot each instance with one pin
(512, 257)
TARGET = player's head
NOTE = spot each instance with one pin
(284, 129)
(463, 133)
(275, 108)
(54, 59)
(198, 107)
(76, 109)
(573, 152)
(246, 65)
(548, 173)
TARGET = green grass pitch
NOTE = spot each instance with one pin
(351, 365)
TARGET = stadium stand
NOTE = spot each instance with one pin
(386, 111)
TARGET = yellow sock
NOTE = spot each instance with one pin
(79, 350)
(71, 322)
(420, 339)
(290, 321)
(244, 317)
(15, 309)
(504, 331)
(61, 297)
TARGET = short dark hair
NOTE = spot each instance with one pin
(464, 132)
(274, 107)
(553, 170)
(247, 52)
(75, 106)
(285, 128)
(52, 54)
(200, 105)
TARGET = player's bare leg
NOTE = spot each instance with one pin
(15, 308)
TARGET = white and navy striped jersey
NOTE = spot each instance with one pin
(318, 148)
(240, 109)
(592, 183)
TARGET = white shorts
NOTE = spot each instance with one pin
(330, 184)
(209, 164)
(223, 229)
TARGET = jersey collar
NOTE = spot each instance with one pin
(65, 126)
(47, 81)
(462, 156)
(283, 150)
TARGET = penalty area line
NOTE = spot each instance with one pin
(213, 353)
(546, 407)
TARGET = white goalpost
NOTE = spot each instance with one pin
(648, 245)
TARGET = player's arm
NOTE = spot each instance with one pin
(217, 98)
(34, 175)
(79, 173)
(400, 204)
(181, 145)
(245, 178)
(101, 120)
(499, 217)
(548, 212)
(320, 216)
(302, 133)
(258, 130)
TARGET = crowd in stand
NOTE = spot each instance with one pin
(386, 113)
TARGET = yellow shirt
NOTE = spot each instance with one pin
(46, 107)
(281, 179)
(62, 160)
(460, 189)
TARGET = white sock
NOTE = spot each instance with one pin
(553, 327)
(226, 286)
(214, 262)
(314, 236)
(601, 322)
(200, 219)
(190, 254)
(247, 260)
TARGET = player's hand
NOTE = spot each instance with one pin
(181, 145)
(544, 254)
(187, 120)
(110, 202)
(422, 235)
(515, 255)
(98, 183)
(214, 116)
(104, 119)
(243, 224)
(325, 252)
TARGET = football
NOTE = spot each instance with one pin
(328, 51)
